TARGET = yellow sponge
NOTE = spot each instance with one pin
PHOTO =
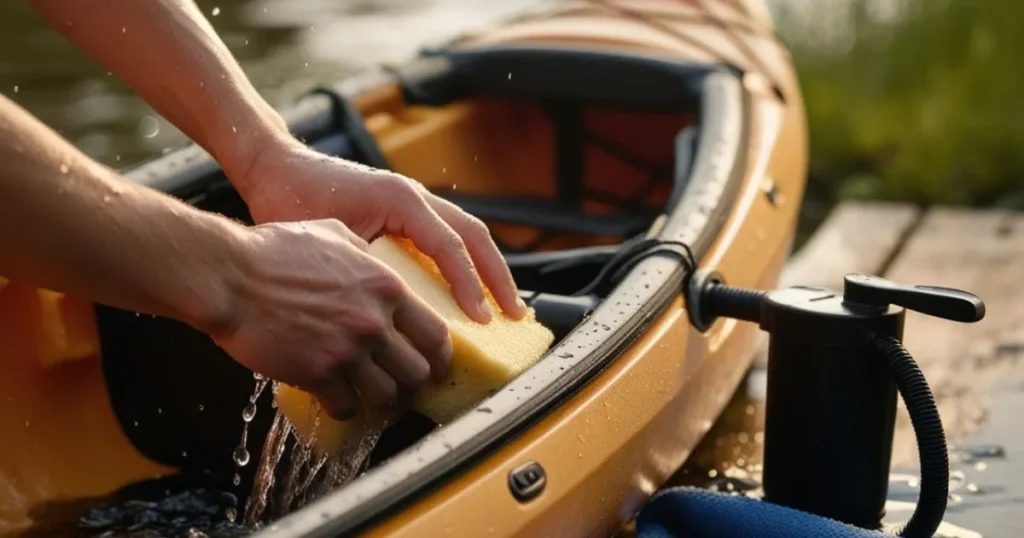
(485, 356)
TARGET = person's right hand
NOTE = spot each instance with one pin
(315, 311)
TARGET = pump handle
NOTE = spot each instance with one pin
(946, 303)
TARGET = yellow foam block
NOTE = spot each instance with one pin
(485, 356)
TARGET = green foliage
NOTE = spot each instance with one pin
(926, 105)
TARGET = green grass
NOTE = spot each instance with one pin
(928, 109)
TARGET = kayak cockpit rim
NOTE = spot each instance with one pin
(705, 189)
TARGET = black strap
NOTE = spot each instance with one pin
(351, 123)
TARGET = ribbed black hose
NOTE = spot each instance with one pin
(931, 439)
(732, 302)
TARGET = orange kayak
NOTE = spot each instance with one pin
(594, 139)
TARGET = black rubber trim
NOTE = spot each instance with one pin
(593, 76)
(710, 195)
(350, 122)
(685, 147)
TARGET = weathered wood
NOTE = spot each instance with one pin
(981, 252)
(856, 238)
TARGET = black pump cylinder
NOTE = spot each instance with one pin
(831, 405)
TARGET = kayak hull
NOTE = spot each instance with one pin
(93, 421)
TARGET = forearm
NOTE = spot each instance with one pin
(167, 52)
(72, 225)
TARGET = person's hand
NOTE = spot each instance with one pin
(290, 182)
(315, 311)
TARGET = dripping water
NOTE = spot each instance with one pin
(241, 453)
(293, 471)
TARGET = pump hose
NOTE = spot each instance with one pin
(931, 439)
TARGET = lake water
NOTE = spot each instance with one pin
(285, 46)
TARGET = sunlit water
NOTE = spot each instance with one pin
(286, 47)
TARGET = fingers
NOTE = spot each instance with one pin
(375, 386)
(338, 399)
(485, 254)
(435, 238)
(399, 359)
(427, 333)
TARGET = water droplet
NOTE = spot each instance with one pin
(475, 157)
(201, 407)
(712, 473)
(106, 197)
(236, 480)
(233, 129)
(973, 488)
(981, 466)
(159, 411)
(231, 513)
(184, 454)
(483, 410)
(249, 412)
(136, 424)
(579, 436)
(117, 158)
(510, 76)
(124, 29)
(15, 88)
(246, 43)
(257, 376)
(241, 456)
(306, 64)
(26, 423)
(149, 127)
(64, 168)
(215, 12)
(565, 355)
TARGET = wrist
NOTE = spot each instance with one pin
(245, 144)
(219, 276)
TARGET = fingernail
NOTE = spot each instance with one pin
(521, 304)
(485, 311)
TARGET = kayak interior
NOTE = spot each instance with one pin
(573, 157)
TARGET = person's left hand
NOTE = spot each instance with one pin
(291, 182)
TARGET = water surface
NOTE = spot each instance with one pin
(285, 46)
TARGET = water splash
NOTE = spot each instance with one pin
(306, 471)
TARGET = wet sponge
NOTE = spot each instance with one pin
(485, 357)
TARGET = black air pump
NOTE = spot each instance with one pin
(835, 364)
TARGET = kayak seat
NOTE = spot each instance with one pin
(563, 80)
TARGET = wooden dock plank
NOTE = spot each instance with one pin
(857, 237)
(981, 252)
(973, 369)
